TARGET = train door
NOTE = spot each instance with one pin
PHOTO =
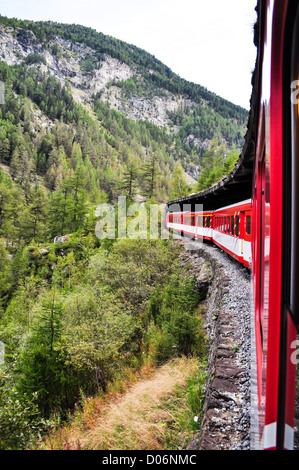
(258, 211)
(261, 312)
(246, 224)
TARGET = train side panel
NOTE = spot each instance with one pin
(232, 231)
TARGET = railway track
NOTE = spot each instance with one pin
(226, 422)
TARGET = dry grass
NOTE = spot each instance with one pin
(136, 420)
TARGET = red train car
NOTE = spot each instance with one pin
(232, 230)
(197, 225)
(275, 254)
(228, 227)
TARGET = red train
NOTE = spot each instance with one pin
(228, 227)
(264, 231)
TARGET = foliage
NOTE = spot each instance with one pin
(79, 314)
(20, 421)
(175, 326)
(178, 186)
(216, 165)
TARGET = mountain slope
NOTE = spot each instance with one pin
(108, 76)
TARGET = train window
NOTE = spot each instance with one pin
(237, 225)
(232, 225)
(208, 221)
(227, 224)
(204, 221)
(248, 225)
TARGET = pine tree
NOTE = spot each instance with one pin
(78, 197)
(150, 175)
(60, 209)
(41, 364)
(34, 217)
(25, 168)
(178, 186)
(129, 181)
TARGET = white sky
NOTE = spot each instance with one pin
(209, 42)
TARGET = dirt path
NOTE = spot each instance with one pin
(136, 420)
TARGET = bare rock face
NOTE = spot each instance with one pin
(16, 45)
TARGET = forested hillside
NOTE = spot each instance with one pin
(88, 118)
(139, 107)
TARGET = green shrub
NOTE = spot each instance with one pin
(175, 325)
(20, 420)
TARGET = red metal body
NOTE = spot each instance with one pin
(267, 246)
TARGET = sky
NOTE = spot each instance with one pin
(208, 42)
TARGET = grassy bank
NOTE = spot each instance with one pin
(154, 413)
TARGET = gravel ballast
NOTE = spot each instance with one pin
(227, 409)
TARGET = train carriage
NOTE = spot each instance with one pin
(275, 221)
(197, 225)
(232, 230)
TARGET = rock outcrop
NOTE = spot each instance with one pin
(226, 415)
